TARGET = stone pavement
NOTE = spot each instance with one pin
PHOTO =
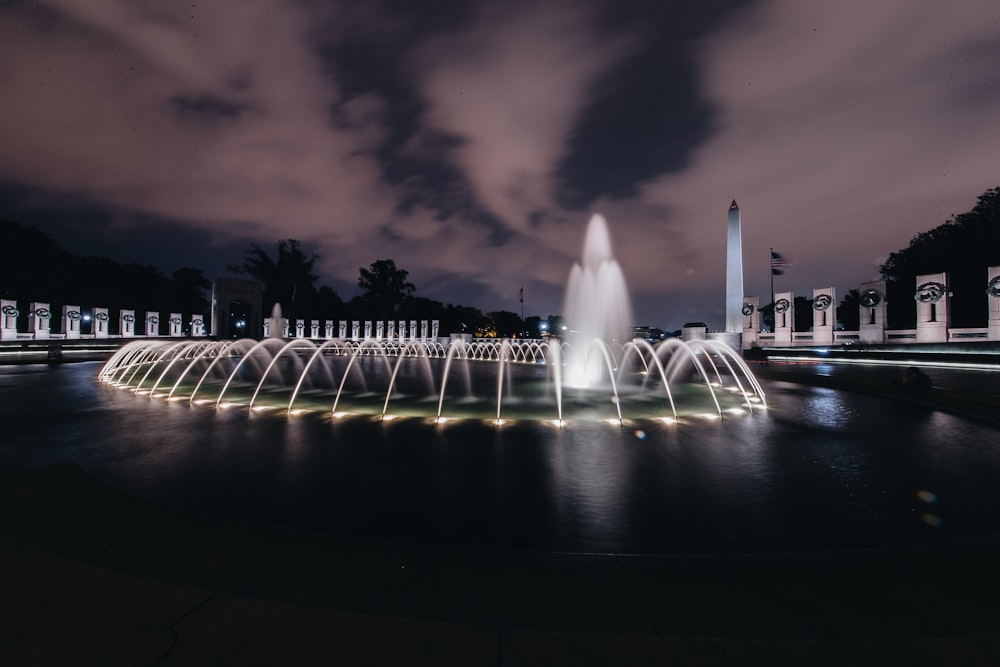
(94, 576)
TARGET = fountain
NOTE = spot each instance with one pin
(276, 323)
(597, 309)
(484, 444)
(493, 380)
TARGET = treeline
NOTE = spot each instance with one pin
(386, 293)
(36, 268)
(964, 246)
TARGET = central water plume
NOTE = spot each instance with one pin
(597, 308)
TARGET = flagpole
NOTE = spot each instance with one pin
(770, 269)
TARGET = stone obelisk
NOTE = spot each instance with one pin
(734, 272)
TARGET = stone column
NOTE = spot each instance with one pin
(751, 321)
(872, 312)
(176, 325)
(355, 329)
(342, 330)
(824, 315)
(423, 329)
(784, 318)
(368, 329)
(71, 322)
(126, 323)
(152, 324)
(300, 328)
(993, 296)
(101, 324)
(8, 319)
(435, 329)
(197, 326)
(413, 329)
(314, 329)
(933, 316)
(39, 320)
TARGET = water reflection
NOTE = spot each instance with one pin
(819, 469)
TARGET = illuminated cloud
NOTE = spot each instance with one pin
(470, 141)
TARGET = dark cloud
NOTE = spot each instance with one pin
(470, 141)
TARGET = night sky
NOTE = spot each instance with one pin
(471, 141)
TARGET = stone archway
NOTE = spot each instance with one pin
(247, 295)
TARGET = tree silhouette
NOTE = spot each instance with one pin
(964, 246)
(288, 280)
(849, 311)
(384, 288)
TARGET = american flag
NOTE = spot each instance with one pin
(778, 264)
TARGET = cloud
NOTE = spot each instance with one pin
(441, 140)
(214, 117)
(843, 130)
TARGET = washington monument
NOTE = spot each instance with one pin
(734, 272)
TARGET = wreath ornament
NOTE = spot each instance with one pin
(11, 311)
(993, 289)
(72, 315)
(748, 309)
(822, 302)
(929, 292)
(153, 319)
(43, 313)
(870, 298)
(128, 318)
(101, 317)
(782, 305)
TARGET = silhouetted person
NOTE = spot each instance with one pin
(914, 381)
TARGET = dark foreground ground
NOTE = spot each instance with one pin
(92, 576)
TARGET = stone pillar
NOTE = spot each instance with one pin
(402, 331)
(388, 329)
(368, 329)
(101, 324)
(314, 329)
(872, 312)
(152, 324)
(176, 325)
(423, 329)
(126, 323)
(933, 316)
(993, 297)
(355, 329)
(784, 318)
(342, 330)
(267, 327)
(300, 328)
(8, 319)
(824, 315)
(413, 329)
(39, 320)
(70, 322)
(435, 328)
(751, 321)
(197, 326)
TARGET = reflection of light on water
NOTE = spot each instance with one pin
(711, 416)
(668, 420)
(340, 415)
(639, 433)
